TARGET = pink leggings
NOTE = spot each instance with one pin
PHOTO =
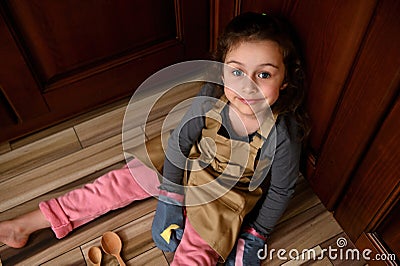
(114, 190)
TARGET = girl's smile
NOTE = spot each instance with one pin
(251, 101)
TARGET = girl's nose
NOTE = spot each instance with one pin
(248, 86)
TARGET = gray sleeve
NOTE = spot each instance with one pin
(284, 174)
(183, 137)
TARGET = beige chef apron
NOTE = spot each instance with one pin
(217, 186)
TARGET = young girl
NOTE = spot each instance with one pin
(227, 139)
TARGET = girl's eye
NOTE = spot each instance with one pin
(264, 75)
(237, 73)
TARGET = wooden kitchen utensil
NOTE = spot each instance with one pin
(95, 255)
(112, 244)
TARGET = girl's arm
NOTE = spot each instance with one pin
(284, 174)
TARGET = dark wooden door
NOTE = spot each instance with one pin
(356, 173)
(370, 206)
(389, 232)
(61, 58)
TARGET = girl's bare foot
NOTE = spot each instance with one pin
(12, 234)
(15, 233)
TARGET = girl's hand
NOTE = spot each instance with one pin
(167, 228)
(247, 248)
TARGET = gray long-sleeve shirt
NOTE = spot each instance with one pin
(283, 171)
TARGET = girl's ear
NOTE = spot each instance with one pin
(284, 85)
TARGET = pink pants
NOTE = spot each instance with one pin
(114, 190)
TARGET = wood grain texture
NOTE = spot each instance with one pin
(16, 88)
(149, 110)
(331, 37)
(341, 260)
(112, 60)
(165, 125)
(309, 257)
(376, 181)
(23, 141)
(275, 6)
(305, 230)
(5, 147)
(222, 11)
(152, 257)
(72, 257)
(364, 104)
(171, 98)
(101, 127)
(38, 153)
(55, 52)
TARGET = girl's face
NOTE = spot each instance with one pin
(253, 76)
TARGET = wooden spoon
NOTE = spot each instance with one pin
(112, 244)
(94, 255)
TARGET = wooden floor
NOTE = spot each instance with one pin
(68, 155)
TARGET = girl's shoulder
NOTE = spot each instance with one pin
(287, 127)
(206, 98)
(211, 90)
(204, 101)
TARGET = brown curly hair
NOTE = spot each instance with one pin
(255, 27)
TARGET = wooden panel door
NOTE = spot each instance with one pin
(370, 89)
(61, 58)
(370, 207)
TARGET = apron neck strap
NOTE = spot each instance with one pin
(262, 133)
